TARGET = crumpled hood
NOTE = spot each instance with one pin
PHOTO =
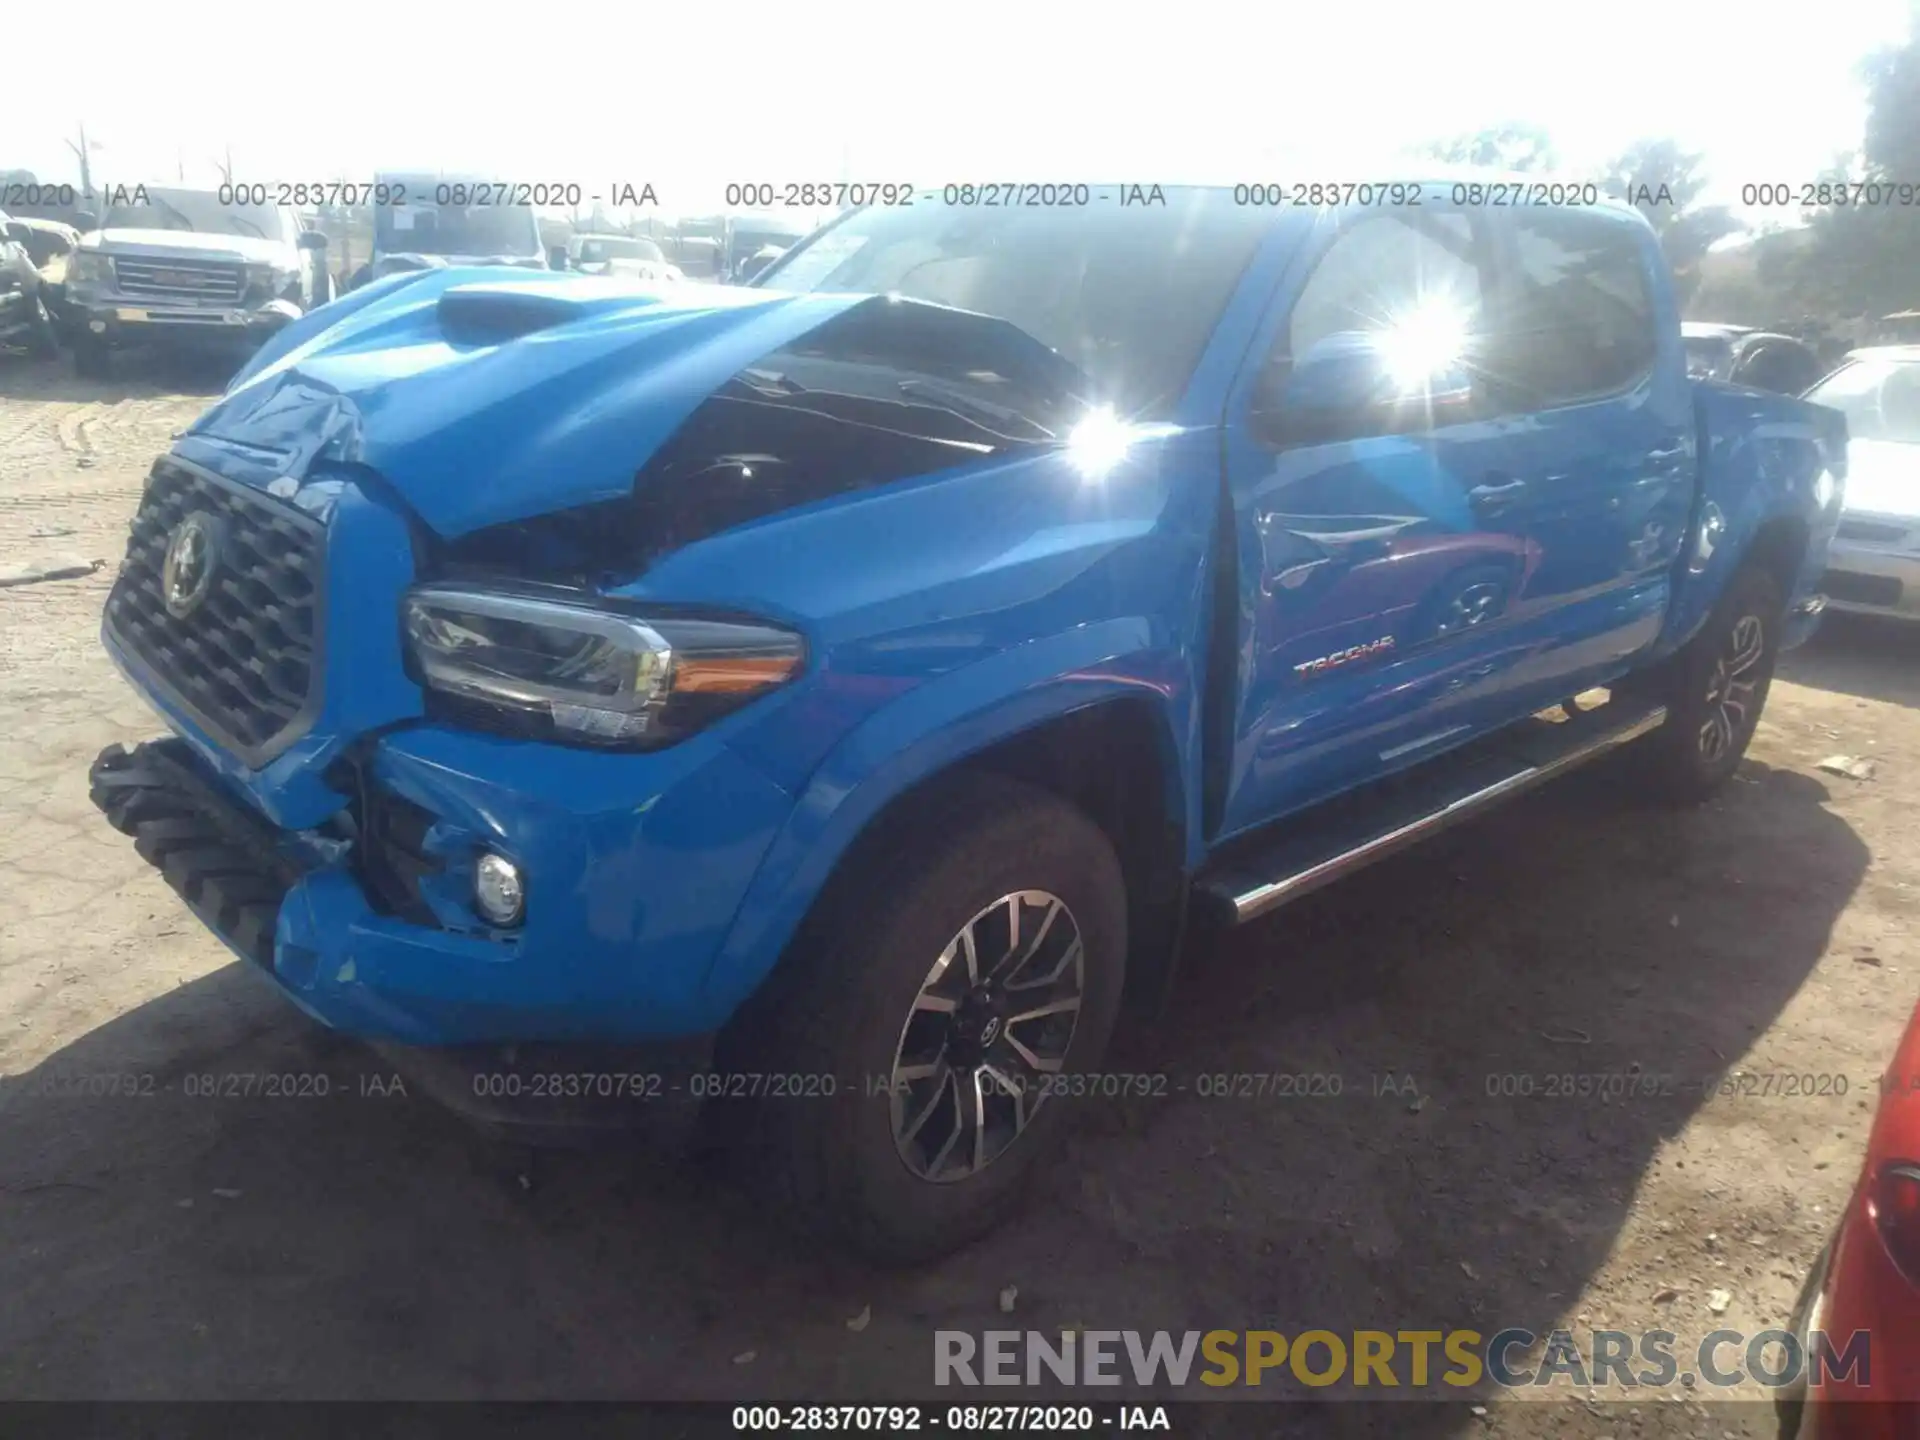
(485, 395)
(1883, 478)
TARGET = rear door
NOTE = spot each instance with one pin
(1587, 383)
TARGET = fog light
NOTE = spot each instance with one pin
(498, 891)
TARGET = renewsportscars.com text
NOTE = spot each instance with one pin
(1396, 1359)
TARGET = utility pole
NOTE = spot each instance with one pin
(86, 171)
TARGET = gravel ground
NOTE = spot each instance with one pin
(369, 1245)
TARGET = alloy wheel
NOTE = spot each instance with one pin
(992, 1022)
(1731, 688)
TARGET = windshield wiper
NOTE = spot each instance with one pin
(242, 220)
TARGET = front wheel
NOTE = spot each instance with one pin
(1715, 689)
(962, 972)
(43, 341)
(91, 357)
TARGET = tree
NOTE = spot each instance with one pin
(1891, 143)
(1664, 182)
(1513, 145)
(1864, 255)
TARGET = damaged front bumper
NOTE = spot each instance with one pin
(365, 921)
(282, 901)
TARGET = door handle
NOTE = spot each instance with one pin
(1497, 496)
(1666, 454)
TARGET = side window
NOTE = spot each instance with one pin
(1384, 271)
(1382, 338)
(1571, 316)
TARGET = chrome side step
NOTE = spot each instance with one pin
(1321, 845)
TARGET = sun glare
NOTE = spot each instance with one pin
(1099, 442)
(1419, 347)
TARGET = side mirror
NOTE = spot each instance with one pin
(1345, 387)
(312, 240)
(85, 220)
(557, 258)
(17, 232)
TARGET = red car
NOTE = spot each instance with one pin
(1868, 1281)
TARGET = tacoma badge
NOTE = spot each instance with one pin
(1344, 657)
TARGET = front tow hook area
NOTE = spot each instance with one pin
(228, 864)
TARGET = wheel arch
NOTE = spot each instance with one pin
(1116, 742)
(1760, 498)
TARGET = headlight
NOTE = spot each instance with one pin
(89, 267)
(273, 278)
(578, 671)
(1826, 489)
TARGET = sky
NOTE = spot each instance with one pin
(688, 98)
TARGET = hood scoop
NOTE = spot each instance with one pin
(495, 312)
(493, 315)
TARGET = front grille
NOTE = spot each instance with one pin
(1870, 530)
(1855, 589)
(243, 661)
(205, 282)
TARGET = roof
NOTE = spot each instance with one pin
(1907, 353)
(1712, 330)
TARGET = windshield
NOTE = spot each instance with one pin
(202, 212)
(481, 230)
(750, 235)
(1707, 355)
(1880, 398)
(619, 248)
(1129, 295)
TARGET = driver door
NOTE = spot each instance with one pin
(1382, 557)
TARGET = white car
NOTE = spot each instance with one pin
(634, 256)
(1874, 565)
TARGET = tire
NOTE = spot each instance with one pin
(43, 342)
(1715, 689)
(1790, 1401)
(91, 358)
(884, 1164)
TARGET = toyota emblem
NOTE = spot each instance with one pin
(193, 557)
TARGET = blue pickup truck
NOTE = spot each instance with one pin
(861, 681)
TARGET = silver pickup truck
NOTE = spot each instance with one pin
(184, 266)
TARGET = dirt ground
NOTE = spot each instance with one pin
(372, 1246)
